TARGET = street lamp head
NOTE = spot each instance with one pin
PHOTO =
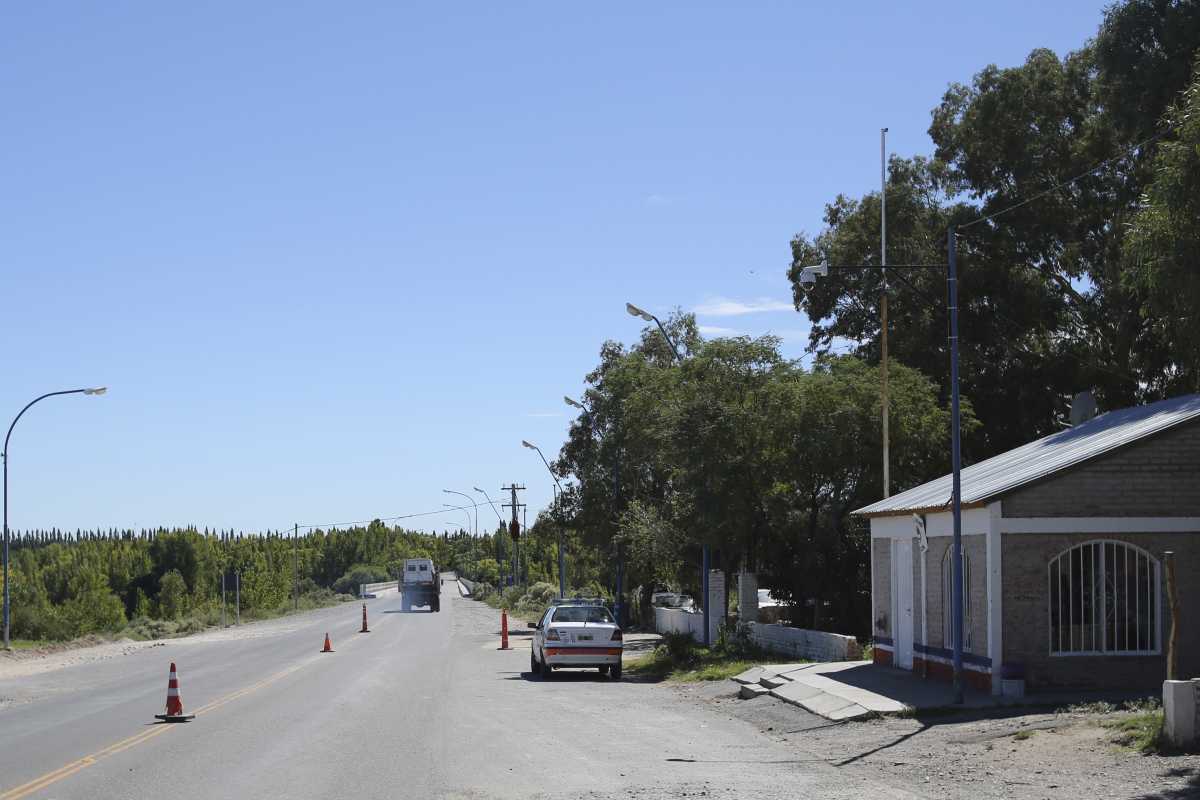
(527, 444)
(634, 311)
(808, 275)
(98, 390)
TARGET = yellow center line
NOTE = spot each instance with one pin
(67, 770)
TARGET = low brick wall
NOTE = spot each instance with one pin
(805, 644)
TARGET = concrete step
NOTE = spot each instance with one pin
(751, 675)
(772, 681)
(749, 691)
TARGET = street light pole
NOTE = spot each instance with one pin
(809, 275)
(648, 317)
(475, 506)
(562, 576)
(706, 553)
(4, 456)
(883, 305)
(494, 510)
(457, 508)
(956, 458)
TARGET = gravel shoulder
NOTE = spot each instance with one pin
(1015, 753)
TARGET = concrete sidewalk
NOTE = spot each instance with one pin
(841, 690)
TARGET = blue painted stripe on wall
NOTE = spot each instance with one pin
(941, 652)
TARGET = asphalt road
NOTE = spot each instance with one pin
(423, 706)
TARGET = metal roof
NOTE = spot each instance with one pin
(1036, 460)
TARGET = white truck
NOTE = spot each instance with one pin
(420, 585)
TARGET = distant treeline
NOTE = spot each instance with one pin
(66, 585)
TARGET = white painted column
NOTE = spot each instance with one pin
(995, 596)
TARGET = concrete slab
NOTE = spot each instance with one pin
(772, 681)
(826, 705)
(781, 669)
(795, 693)
(869, 700)
(852, 711)
(750, 691)
(751, 675)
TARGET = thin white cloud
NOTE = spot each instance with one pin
(544, 414)
(717, 330)
(726, 307)
(791, 334)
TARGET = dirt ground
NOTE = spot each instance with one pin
(975, 755)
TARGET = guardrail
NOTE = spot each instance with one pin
(369, 589)
(468, 585)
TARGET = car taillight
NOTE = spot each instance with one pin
(552, 635)
(616, 637)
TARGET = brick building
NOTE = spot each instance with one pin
(1063, 542)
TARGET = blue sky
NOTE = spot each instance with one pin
(332, 260)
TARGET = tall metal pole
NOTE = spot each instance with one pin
(557, 487)
(562, 559)
(237, 597)
(883, 303)
(956, 457)
(4, 457)
(707, 565)
(616, 499)
(295, 569)
(474, 506)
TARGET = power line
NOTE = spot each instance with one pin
(1125, 153)
(383, 519)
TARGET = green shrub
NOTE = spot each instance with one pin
(172, 595)
(1142, 731)
(358, 575)
(679, 647)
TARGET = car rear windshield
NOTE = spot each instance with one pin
(582, 614)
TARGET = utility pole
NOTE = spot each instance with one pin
(223, 596)
(883, 303)
(514, 528)
(237, 595)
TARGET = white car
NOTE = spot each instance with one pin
(577, 636)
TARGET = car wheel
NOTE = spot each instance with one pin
(546, 671)
(534, 669)
(604, 670)
(615, 672)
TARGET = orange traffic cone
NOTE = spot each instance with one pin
(174, 701)
(328, 648)
(504, 630)
(364, 627)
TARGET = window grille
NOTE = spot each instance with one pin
(1104, 598)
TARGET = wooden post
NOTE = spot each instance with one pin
(1173, 600)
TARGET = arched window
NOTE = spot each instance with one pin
(1104, 598)
(948, 601)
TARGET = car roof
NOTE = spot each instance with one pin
(579, 601)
